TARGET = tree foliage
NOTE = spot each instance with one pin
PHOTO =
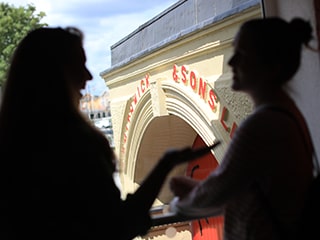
(15, 23)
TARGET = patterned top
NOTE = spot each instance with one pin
(265, 171)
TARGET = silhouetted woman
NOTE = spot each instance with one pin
(56, 167)
(266, 171)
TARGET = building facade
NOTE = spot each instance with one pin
(169, 87)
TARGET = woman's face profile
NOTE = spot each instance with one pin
(247, 68)
(76, 71)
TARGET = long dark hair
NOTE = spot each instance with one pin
(37, 101)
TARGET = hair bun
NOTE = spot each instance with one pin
(302, 29)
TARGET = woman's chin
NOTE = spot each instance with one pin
(235, 87)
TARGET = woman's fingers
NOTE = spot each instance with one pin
(182, 185)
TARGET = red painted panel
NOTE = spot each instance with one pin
(208, 228)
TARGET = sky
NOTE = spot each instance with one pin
(103, 22)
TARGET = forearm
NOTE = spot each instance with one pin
(152, 184)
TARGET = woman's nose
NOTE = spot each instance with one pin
(88, 75)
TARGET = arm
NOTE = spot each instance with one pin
(152, 184)
(261, 150)
(235, 173)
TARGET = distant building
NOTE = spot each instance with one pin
(95, 107)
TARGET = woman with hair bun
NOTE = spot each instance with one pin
(262, 181)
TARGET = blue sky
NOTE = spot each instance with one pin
(104, 22)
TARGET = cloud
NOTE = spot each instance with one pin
(103, 22)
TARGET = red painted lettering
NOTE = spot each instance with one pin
(202, 88)
(234, 127)
(123, 149)
(193, 80)
(138, 92)
(147, 80)
(142, 86)
(223, 118)
(211, 101)
(135, 99)
(184, 72)
(174, 73)
(125, 138)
